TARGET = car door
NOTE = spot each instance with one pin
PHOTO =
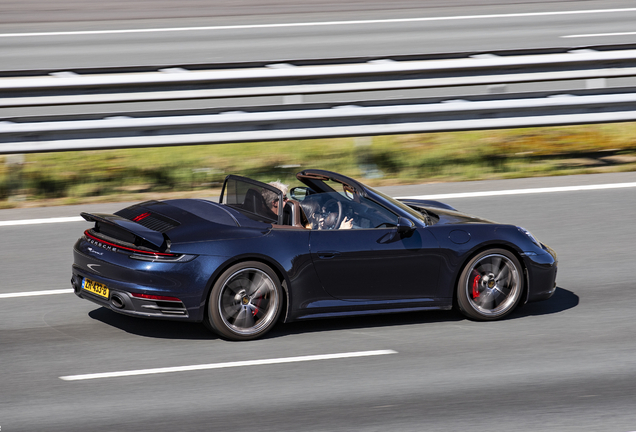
(376, 264)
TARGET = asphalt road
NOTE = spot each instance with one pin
(35, 34)
(566, 364)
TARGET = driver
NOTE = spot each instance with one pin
(311, 209)
(325, 217)
(328, 218)
(328, 221)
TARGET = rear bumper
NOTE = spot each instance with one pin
(121, 301)
(186, 281)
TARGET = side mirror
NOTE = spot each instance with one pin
(404, 225)
(298, 193)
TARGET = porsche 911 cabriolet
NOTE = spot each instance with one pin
(335, 248)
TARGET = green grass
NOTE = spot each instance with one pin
(113, 175)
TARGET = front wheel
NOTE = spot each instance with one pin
(490, 285)
(245, 301)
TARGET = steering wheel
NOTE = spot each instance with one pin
(338, 221)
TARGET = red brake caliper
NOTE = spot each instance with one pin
(256, 308)
(475, 283)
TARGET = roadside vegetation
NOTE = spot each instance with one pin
(136, 174)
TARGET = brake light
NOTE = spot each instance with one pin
(154, 297)
(141, 217)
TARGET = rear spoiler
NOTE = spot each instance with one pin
(156, 238)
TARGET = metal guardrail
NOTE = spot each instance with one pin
(250, 123)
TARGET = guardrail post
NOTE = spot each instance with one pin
(596, 83)
(292, 99)
(497, 88)
(15, 184)
(365, 162)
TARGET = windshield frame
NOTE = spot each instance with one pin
(410, 210)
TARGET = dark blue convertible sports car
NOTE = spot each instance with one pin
(336, 248)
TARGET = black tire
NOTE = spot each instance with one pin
(245, 301)
(490, 285)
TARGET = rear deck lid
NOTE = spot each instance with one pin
(159, 225)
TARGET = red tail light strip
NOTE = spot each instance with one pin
(86, 233)
(154, 297)
(141, 216)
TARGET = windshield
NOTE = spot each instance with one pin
(401, 205)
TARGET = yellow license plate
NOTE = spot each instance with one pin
(95, 287)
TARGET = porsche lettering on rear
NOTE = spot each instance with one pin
(101, 245)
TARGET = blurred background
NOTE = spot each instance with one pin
(136, 174)
(57, 38)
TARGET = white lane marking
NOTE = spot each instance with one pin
(524, 191)
(36, 293)
(599, 35)
(41, 221)
(315, 24)
(227, 365)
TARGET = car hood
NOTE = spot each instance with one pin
(453, 217)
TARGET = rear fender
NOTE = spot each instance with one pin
(275, 266)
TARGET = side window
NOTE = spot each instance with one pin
(372, 215)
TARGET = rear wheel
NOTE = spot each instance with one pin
(490, 285)
(245, 301)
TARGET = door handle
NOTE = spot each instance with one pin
(327, 254)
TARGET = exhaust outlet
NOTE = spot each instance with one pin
(117, 301)
(75, 285)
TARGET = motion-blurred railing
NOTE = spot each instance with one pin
(601, 88)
